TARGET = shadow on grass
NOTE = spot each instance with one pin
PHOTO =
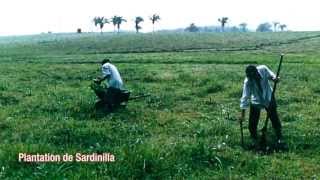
(296, 142)
(6, 100)
(267, 149)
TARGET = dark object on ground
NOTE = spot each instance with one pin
(109, 98)
(257, 146)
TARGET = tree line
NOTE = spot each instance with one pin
(242, 27)
(100, 21)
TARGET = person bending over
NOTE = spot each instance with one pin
(257, 94)
(109, 94)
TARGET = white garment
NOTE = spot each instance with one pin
(251, 89)
(114, 80)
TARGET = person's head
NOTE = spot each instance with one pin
(105, 60)
(252, 72)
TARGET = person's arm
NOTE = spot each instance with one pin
(105, 73)
(244, 102)
(100, 79)
(271, 75)
(104, 77)
(246, 93)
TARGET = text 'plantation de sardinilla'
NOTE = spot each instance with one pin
(78, 157)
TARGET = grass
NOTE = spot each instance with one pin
(187, 129)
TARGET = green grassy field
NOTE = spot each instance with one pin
(187, 128)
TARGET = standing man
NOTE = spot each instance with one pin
(256, 88)
(109, 96)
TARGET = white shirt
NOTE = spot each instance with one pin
(115, 78)
(251, 90)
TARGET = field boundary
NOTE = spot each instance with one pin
(256, 47)
(259, 46)
(145, 62)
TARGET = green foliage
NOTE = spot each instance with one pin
(282, 27)
(101, 21)
(154, 18)
(223, 21)
(137, 21)
(264, 27)
(187, 128)
(117, 21)
(192, 28)
(243, 27)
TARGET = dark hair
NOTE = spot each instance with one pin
(106, 60)
(251, 70)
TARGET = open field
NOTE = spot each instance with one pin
(188, 128)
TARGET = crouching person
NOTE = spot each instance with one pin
(112, 93)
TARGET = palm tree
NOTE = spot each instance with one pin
(223, 22)
(243, 26)
(275, 25)
(114, 22)
(154, 18)
(119, 21)
(282, 26)
(137, 21)
(100, 21)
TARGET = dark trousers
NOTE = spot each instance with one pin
(273, 115)
(109, 96)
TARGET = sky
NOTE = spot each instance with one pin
(19, 17)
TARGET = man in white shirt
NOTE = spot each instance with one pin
(256, 88)
(111, 74)
(111, 96)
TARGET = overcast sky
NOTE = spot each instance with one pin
(37, 16)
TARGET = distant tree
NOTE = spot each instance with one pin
(275, 25)
(243, 27)
(154, 18)
(233, 29)
(192, 28)
(100, 21)
(117, 21)
(114, 22)
(264, 27)
(137, 21)
(79, 31)
(282, 27)
(223, 21)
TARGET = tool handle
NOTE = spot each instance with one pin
(241, 132)
(277, 75)
(137, 97)
(264, 129)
